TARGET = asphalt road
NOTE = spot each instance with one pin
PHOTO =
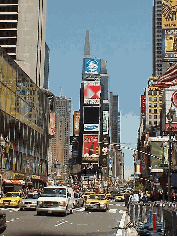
(80, 223)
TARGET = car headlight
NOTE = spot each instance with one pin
(62, 204)
(39, 203)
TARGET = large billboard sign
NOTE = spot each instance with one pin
(91, 127)
(92, 90)
(76, 122)
(91, 115)
(171, 102)
(92, 66)
(169, 44)
(52, 124)
(90, 148)
(105, 122)
(158, 150)
(169, 14)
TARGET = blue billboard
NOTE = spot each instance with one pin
(92, 66)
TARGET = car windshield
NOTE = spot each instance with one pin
(12, 195)
(101, 197)
(32, 196)
(54, 192)
(92, 197)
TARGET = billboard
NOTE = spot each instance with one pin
(105, 122)
(91, 127)
(169, 14)
(169, 44)
(90, 148)
(157, 150)
(92, 90)
(76, 121)
(143, 104)
(52, 124)
(91, 66)
(171, 102)
(91, 115)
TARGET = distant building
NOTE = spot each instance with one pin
(63, 125)
(22, 35)
(46, 67)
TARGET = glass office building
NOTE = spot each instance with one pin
(24, 113)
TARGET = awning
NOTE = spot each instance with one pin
(14, 181)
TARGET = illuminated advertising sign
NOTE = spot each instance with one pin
(91, 127)
(169, 44)
(171, 102)
(92, 90)
(143, 104)
(92, 66)
(52, 124)
(157, 150)
(90, 148)
(76, 122)
(105, 122)
(91, 115)
(169, 14)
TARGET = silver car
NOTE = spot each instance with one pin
(30, 202)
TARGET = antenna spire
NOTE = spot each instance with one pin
(87, 45)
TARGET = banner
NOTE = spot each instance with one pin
(52, 124)
(92, 90)
(76, 122)
(92, 66)
(105, 122)
(169, 14)
(90, 147)
(169, 45)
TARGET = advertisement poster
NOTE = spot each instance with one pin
(92, 66)
(171, 102)
(169, 14)
(156, 150)
(52, 124)
(90, 147)
(169, 44)
(91, 127)
(92, 90)
(105, 122)
(76, 122)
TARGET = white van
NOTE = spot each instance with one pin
(56, 199)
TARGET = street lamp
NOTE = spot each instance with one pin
(170, 119)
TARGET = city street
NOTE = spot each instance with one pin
(79, 223)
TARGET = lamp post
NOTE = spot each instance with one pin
(2, 147)
(170, 119)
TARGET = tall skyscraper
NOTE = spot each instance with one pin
(46, 67)
(22, 35)
(63, 107)
(164, 37)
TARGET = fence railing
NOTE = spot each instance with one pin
(154, 214)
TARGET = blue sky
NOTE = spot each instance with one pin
(120, 33)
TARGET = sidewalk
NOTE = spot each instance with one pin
(125, 228)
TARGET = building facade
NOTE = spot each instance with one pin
(24, 112)
(22, 35)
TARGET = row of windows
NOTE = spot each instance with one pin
(153, 122)
(155, 92)
(154, 111)
(153, 116)
(155, 98)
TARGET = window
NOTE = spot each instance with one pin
(155, 111)
(155, 116)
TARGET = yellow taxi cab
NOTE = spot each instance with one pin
(120, 197)
(87, 194)
(108, 195)
(97, 202)
(11, 199)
